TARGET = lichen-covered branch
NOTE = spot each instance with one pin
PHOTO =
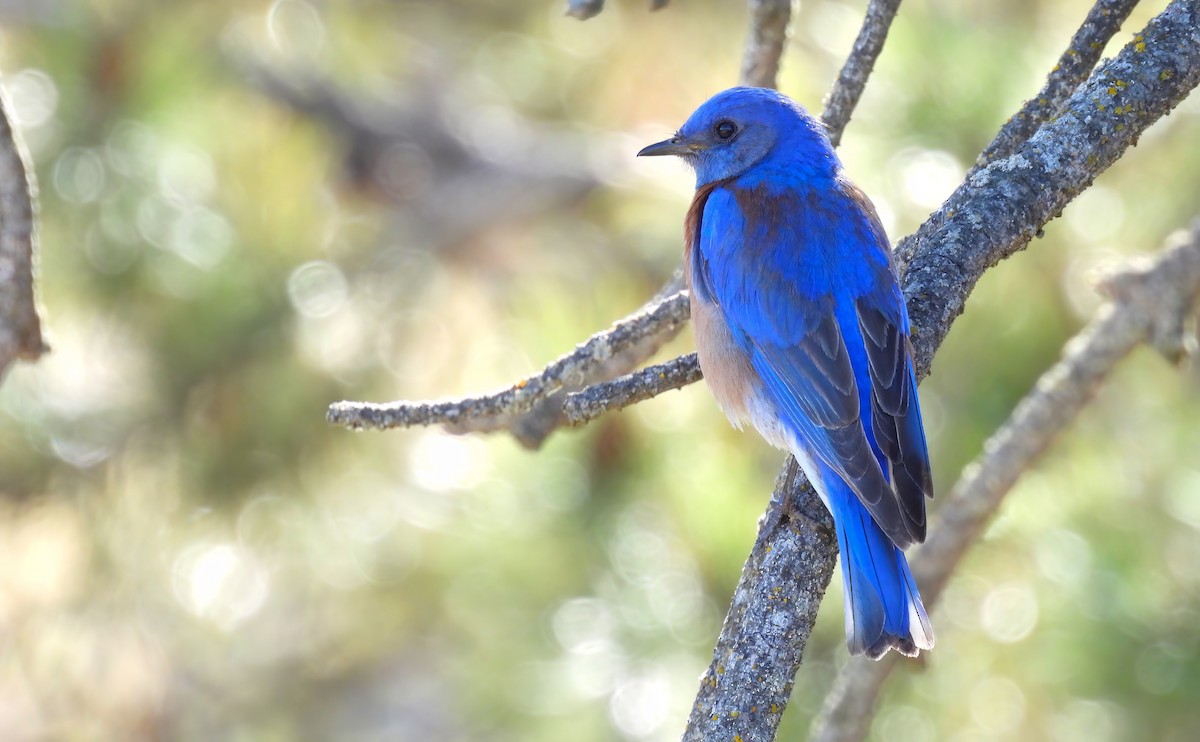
(497, 411)
(20, 326)
(1102, 22)
(1148, 303)
(1000, 208)
(770, 22)
(848, 88)
(774, 607)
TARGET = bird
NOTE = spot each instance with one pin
(802, 331)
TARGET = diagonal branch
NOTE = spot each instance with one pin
(986, 220)
(851, 81)
(1147, 303)
(999, 209)
(1102, 22)
(20, 326)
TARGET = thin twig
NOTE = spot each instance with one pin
(848, 88)
(1146, 303)
(985, 221)
(20, 326)
(587, 405)
(495, 411)
(1102, 22)
(770, 22)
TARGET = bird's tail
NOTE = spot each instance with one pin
(883, 608)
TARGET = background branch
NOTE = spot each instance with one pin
(848, 88)
(1148, 303)
(20, 326)
(770, 21)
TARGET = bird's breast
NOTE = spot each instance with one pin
(726, 368)
(730, 376)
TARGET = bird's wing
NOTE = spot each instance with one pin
(807, 291)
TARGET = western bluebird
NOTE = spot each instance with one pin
(801, 330)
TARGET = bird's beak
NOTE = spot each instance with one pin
(676, 145)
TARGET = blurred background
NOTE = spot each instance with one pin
(251, 209)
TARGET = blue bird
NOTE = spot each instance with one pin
(801, 331)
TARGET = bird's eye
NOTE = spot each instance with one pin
(725, 129)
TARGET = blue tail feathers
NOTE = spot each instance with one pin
(883, 608)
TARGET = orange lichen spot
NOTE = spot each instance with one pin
(522, 383)
(754, 709)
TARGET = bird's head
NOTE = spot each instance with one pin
(741, 127)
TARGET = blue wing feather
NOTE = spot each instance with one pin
(830, 345)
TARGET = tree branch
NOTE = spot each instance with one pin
(848, 88)
(986, 220)
(770, 22)
(999, 209)
(20, 326)
(1148, 303)
(498, 410)
(772, 613)
(582, 407)
(1103, 20)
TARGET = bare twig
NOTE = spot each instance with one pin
(587, 405)
(1103, 20)
(770, 22)
(848, 88)
(496, 411)
(20, 326)
(1148, 304)
(985, 221)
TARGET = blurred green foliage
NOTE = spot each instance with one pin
(187, 551)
